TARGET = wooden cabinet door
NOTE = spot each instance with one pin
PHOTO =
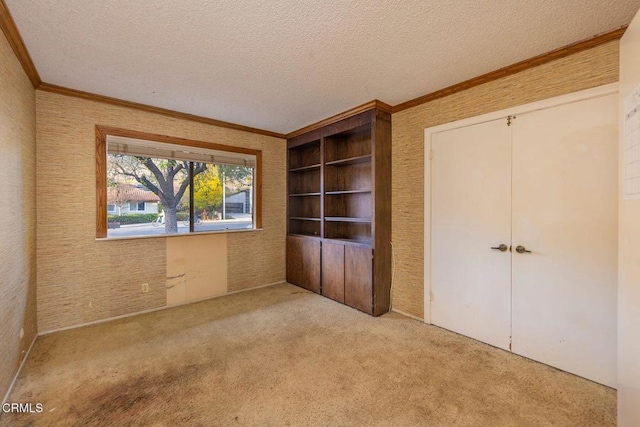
(294, 260)
(358, 282)
(303, 263)
(333, 270)
(311, 264)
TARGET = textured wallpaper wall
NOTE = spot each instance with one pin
(82, 280)
(580, 71)
(17, 215)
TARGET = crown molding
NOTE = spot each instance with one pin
(8, 26)
(514, 68)
(352, 112)
(60, 90)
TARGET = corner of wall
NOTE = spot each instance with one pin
(17, 217)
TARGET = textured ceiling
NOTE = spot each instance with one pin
(281, 65)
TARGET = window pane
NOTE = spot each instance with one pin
(223, 197)
(134, 181)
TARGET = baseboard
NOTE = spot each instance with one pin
(244, 290)
(15, 378)
(152, 310)
(411, 316)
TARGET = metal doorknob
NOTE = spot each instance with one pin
(501, 248)
(522, 250)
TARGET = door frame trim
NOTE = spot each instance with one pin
(569, 98)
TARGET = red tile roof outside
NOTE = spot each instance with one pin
(130, 193)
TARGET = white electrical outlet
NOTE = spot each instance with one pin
(145, 288)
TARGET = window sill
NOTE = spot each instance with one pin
(162, 236)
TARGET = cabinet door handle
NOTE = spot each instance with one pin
(501, 248)
(522, 250)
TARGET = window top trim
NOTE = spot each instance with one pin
(166, 150)
(105, 131)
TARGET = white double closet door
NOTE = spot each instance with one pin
(546, 182)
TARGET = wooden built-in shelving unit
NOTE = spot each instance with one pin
(339, 210)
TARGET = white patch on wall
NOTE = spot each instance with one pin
(196, 267)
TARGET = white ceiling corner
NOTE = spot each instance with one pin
(281, 65)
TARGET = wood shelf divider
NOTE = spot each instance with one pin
(340, 192)
(346, 219)
(304, 218)
(353, 241)
(350, 161)
(306, 236)
(304, 194)
(305, 168)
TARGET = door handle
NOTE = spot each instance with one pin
(522, 250)
(501, 248)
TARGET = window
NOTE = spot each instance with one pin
(133, 206)
(173, 186)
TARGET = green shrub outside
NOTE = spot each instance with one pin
(132, 218)
(142, 218)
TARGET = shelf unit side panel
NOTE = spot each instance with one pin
(381, 221)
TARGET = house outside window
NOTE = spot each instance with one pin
(126, 198)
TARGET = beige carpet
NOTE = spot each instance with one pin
(284, 356)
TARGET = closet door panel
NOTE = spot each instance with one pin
(565, 212)
(471, 213)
